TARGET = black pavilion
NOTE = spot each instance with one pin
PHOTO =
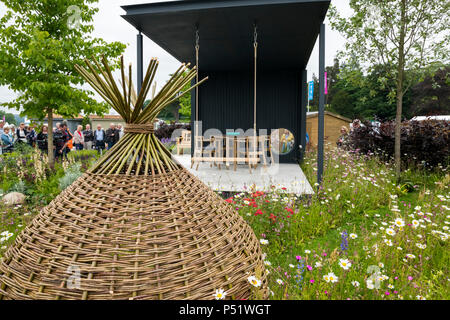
(286, 31)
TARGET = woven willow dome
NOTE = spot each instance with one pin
(137, 225)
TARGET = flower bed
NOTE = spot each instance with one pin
(361, 236)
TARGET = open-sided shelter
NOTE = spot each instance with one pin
(255, 53)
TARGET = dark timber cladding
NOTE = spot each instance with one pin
(287, 32)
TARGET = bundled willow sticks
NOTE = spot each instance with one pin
(139, 152)
(137, 225)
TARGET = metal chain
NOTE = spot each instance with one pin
(197, 39)
(197, 53)
(255, 36)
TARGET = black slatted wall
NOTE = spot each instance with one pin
(226, 102)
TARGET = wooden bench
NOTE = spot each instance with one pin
(184, 141)
(227, 150)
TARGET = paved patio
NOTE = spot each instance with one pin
(289, 176)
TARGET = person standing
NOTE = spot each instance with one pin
(12, 131)
(78, 138)
(343, 137)
(31, 136)
(42, 139)
(21, 133)
(61, 140)
(88, 137)
(6, 141)
(99, 139)
(121, 132)
(112, 136)
(70, 143)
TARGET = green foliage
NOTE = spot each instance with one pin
(86, 120)
(38, 53)
(185, 104)
(400, 35)
(19, 186)
(432, 95)
(306, 240)
(41, 41)
(373, 37)
(9, 117)
(72, 174)
(365, 96)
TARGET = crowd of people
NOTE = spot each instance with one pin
(64, 141)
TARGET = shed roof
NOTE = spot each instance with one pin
(314, 114)
(287, 30)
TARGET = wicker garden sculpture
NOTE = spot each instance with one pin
(137, 225)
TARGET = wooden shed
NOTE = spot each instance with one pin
(333, 124)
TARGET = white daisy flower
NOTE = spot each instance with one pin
(345, 264)
(264, 241)
(254, 281)
(333, 278)
(355, 283)
(220, 294)
(353, 235)
(369, 284)
(399, 222)
(280, 282)
(390, 232)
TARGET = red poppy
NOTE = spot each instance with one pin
(257, 194)
(229, 200)
(258, 212)
(289, 210)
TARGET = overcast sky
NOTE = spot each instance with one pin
(110, 26)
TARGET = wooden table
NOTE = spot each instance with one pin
(228, 149)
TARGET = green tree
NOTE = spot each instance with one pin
(432, 95)
(41, 41)
(402, 34)
(86, 121)
(185, 103)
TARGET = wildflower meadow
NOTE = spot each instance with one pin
(361, 237)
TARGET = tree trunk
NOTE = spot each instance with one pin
(51, 159)
(400, 75)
